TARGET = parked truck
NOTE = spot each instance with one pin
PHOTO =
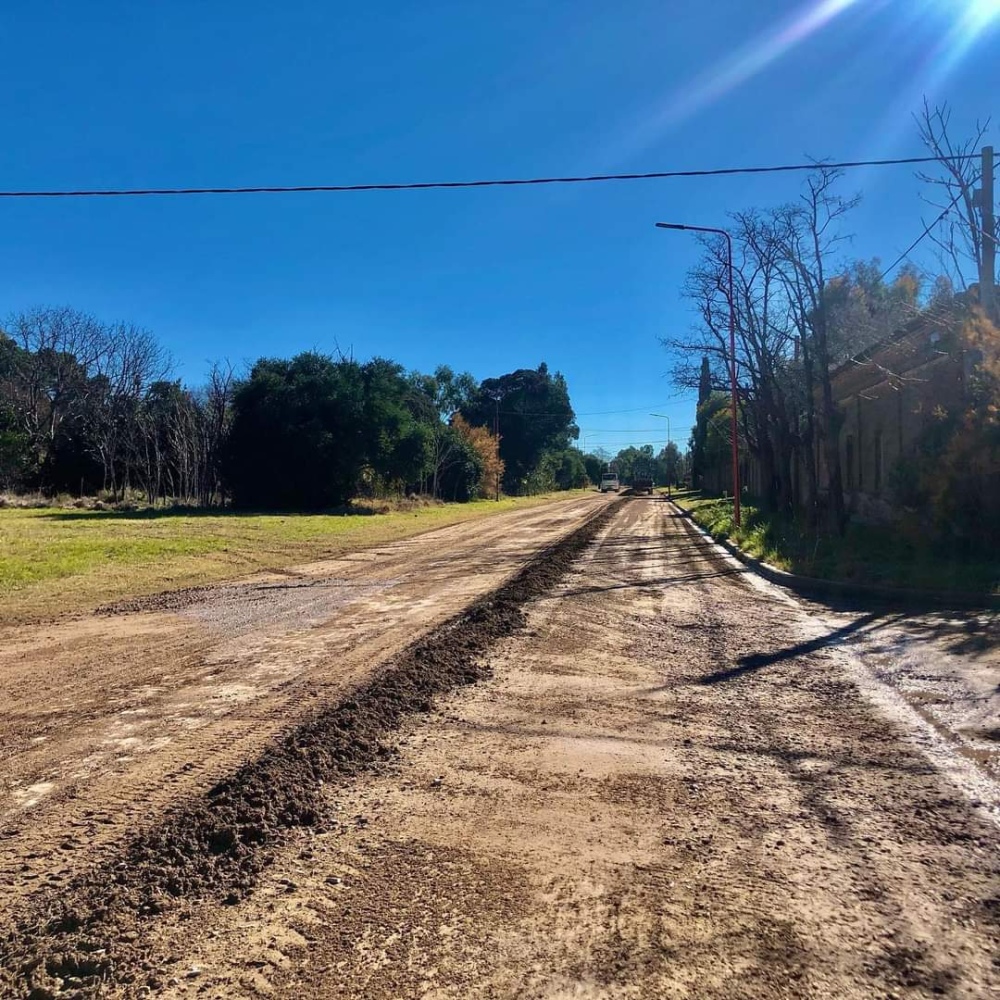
(642, 477)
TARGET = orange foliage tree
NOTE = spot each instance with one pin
(487, 447)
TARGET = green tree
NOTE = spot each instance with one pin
(298, 436)
(397, 443)
(594, 465)
(631, 462)
(699, 431)
(535, 417)
(569, 470)
(670, 465)
(443, 394)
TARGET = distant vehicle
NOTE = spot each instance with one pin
(609, 482)
(642, 484)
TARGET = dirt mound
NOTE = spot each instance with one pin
(75, 940)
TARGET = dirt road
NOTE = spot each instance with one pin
(106, 718)
(677, 782)
(668, 789)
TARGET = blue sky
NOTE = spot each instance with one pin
(190, 93)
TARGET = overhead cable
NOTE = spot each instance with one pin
(483, 183)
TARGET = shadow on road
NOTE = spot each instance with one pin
(757, 661)
(166, 513)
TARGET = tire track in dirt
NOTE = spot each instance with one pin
(105, 719)
(80, 939)
(668, 790)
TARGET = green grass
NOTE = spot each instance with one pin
(886, 555)
(63, 559)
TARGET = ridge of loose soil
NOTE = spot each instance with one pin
(71, 941)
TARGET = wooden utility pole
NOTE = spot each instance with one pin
(988, 269)
(496, 439)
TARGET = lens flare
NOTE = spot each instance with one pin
(968, 21)
(737, 69)
(982, 11)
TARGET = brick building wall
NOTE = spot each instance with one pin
(888, 398)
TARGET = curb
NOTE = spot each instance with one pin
(811, 586)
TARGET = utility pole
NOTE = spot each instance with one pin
(496, 438)
(988, 269)
(665, 417)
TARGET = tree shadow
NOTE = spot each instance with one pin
(964, 633)
(758, 661)
(652, 584)
(166, 513)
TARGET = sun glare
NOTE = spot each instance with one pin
(736, 69)
(972, 16)
(984, 10)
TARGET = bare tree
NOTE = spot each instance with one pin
(811, 234)
(764, 343)
(216, 401)
(59, 349)
(130, 364)
(957, 230)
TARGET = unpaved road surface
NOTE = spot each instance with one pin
(107, 718)
(671, 781)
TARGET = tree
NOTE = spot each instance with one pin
(534, 414)
(298, 433)
(765, 347)
(957, 229)
(397, 444)
(56, 350)
(698, 431)
(670, 464)
(864, 309)
(129, 364)
(810, 235)
(569, 471)
(955, 476)
(631, 462)
(445, 393)
(14, 444)
(215, 404)
(481, 467)
(594, 464)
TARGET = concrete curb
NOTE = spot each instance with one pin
(810, 586)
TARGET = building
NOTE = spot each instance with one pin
(888, 397)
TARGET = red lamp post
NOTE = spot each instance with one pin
(732, 353)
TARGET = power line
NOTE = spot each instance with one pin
(589, 413)
(927, 231)
(449, 185)
(634, 409)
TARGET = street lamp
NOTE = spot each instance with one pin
(665, 417)
(732, 352)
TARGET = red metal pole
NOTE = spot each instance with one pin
(732, 383)
(732, 355)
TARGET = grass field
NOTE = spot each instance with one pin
(884, 555)
(54, 560)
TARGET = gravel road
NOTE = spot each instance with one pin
(677, 781)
